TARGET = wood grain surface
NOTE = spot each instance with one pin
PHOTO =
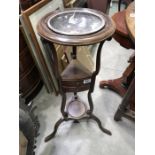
(93, 38)
(130, 20)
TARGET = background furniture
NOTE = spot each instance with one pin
(75, 77)
(130, 20)
(75, 3)
(30, 81)
(126, 2)
(122, 35)
(101, 5)
(29, 19)
(125, 85)
(25, 4)
(127, 107)
(122, 84)
(28, 128)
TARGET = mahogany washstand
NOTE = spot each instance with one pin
(75, 78)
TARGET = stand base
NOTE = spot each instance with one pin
(90, 116)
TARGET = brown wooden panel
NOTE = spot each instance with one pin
(26, 62)
(29, 77)
(29, 82)
(25, 4)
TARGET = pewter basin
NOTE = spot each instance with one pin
(76, 22)
(76, 109)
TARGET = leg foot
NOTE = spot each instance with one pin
(49, 137)
(115, 85)
(100, 125)
(118, 114)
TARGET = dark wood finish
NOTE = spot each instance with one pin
(61, 120)
(122, 34)
(115, 85)
(123, 41)
(30, 81)
(119, 19)
(75, 89)
(25, 4)
(121, 84)
(26, 13)
(75, 71)
(129, 73)
(35, 7)
(93, 38)
(126, 108)
(125, 85)
(101, 5)
(73, 77)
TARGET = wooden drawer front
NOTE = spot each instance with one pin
(75, 86)
(75, 89)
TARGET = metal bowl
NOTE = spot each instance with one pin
(76, 22)
(76, 109)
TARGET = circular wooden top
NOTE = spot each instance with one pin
(130, 20)
(46, 33)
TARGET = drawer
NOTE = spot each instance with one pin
(75, 89)
(76, 86)
(76, 83)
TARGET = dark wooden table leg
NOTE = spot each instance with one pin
(90, 111)
(124, 109)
